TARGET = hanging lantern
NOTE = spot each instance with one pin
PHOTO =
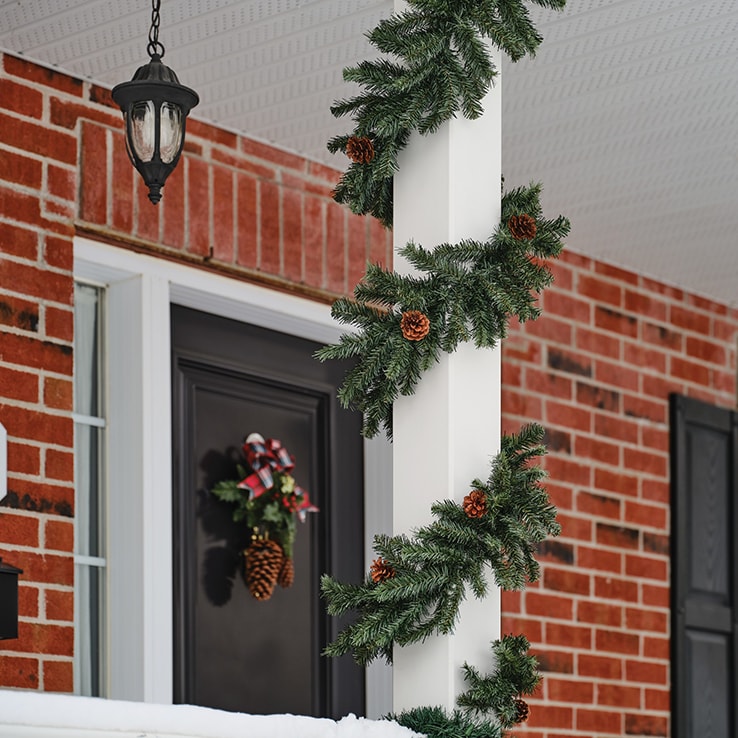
(155, 107)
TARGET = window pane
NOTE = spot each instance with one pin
(89, 500)
(87, 349)
(89, 588)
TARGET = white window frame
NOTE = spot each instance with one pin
(139, 292)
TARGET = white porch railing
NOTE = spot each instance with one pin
(43, 715)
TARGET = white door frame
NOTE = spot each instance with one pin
(140, 290)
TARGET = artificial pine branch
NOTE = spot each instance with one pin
(468, 291)
(489, 704)
(515, 673)
(440, 67)
(432, 568)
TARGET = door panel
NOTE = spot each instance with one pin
(231, 651)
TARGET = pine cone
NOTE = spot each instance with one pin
(415, 325)
(380, 571)
(522, 711)
(522, 227)
(475, 504)
(360, 150)
(286, 573)
(263, 562)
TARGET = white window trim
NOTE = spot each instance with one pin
(140, 289)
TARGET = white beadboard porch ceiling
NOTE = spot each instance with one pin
(628, 114)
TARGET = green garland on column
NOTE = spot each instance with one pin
(463, 292)
(439, 66)
(418, 582)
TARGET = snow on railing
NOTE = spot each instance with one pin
(43, 715)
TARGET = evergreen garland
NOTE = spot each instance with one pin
(467, 291)
(491, 702)
(439, 66)
(418, 583)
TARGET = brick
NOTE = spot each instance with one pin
(621, 275)
(571, 636)
(618, 536)
(39, 497)
(65, 114)
(566, 306)
(599, 721)
(335, 248)
(597, 342)
(559, 662)
(549, 606)
(566, 361)
(532, 628)
(269, 153)
(21, 99)
(646, 671)
(645, 462)
(569, 690)
(28, 598)
(269, 228)
(21, 170)
(551, 716)
(122, 185)
(599, 559)
(551, 330)
(555, 440)
(555, 551)
(59, 535)
(24, 458)
(292, 234)
(690, 320)
(655, 438)
(655, 595)
(657, 648)
(59, 323)
(566, 580)
(61, 182)
(568, 471)
(223, 220)
(59, 252)
(618, 695)
(600, 290)
(617, 641)
(615, 588)
(646, 359)
(314, 244)
(59, 465)
(596, 396)
(59, 81)
(598, 505)
(575, 527)
(607, 480)
(548, 383)
(618, 375)
(599, 613)
(37, 282)
(198, 207)
(378, 244)
(657, 700)
(19, 671)
(568, 415)
(521, 404)
(357, 250)
(58, 393)
(689, 371)
(603, 452)
(662, 336)
(246, 221)
(19, 529)
(36, 425)
(93, 187)
(645, 304)
(148, 214)
(653, 516)
(708, 351)
(58, 676)
(60, 605)
(43, 638)
(18, 241)
(18, 385)
(601, 667)
(646, 567)
(615, 428)
(43, 568)
(614, 321)
(19, 206)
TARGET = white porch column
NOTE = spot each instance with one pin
(447, 189)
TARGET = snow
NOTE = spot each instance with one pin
(54, 715)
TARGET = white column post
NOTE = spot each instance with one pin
(447, 189)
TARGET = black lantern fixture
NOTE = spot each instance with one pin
(155, 107)
(8, 601)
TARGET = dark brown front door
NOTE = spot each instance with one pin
(232, 651)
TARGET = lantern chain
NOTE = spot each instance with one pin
(155, 46)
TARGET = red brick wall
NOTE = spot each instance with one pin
(596, 370)
(233, 204)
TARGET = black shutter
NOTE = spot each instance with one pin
(704, 451)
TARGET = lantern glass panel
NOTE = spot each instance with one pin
(142, 127)
(171, 131)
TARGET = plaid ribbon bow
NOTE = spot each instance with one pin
(266, 457)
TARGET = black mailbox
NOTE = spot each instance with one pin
(8, 601)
